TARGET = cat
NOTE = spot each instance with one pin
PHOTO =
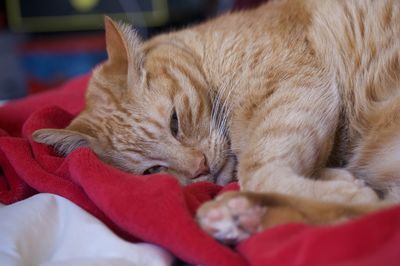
(295, 97)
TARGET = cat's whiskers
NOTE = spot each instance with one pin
(219, 125)
(220, 110)
(220, 121)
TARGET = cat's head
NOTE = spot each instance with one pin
(149, 109)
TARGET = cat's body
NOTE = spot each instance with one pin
(290, 89)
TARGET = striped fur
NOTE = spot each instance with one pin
(282, 93)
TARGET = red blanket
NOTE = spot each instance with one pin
(157, 209)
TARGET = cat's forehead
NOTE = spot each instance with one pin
(161, 73)
(156, 103)
(162, 90)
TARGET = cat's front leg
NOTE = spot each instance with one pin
(341, 191)
(288, 139)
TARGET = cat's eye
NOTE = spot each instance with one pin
(154, 170)
(174, 124)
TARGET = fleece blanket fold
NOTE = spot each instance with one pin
(156, 209)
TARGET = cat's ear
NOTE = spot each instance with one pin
(63, 140)
(123, 48)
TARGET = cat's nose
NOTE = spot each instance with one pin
(202, 168)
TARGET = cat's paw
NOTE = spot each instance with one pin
(366, 194)
(355, 192)
(231, 217)
(331, 174)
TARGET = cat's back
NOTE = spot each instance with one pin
(350, 32)
(360, 41)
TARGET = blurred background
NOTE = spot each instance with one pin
(46, 42)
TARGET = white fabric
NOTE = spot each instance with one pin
(49, 230)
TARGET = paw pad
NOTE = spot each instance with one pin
(231, 219)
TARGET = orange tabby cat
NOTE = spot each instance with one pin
(282, 93)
